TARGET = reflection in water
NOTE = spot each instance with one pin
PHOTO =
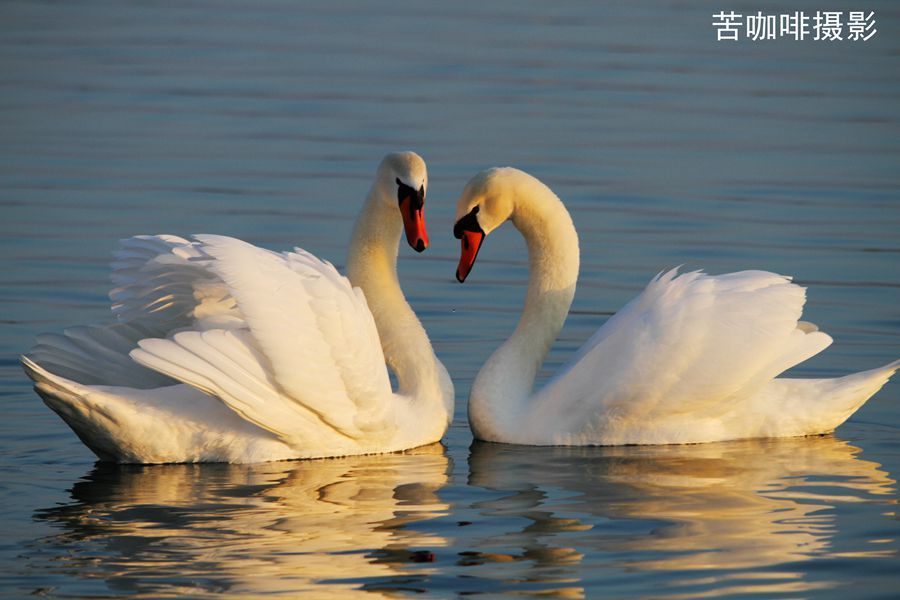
(684, 521)
(263, 529)
(733, 516)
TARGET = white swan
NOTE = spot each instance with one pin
(693, 358)
(278, 356)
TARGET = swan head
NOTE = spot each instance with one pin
(404, 181)
(486, 203)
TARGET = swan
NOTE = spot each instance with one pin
(225, 352)
(693, 358)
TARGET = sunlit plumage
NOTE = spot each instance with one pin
(229, 352)
(693, 358)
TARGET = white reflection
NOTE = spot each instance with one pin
(726, 509)
(277, 528)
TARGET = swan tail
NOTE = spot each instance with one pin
(171, 424)
(845, 395)
(817, 406)
(84, 410)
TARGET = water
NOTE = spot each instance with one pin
(265, 120)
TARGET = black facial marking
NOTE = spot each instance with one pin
(467, 223)
(416, 198)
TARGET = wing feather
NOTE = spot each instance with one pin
(306, 351)
(98, 355)
(688, 344)
(283, 340)
(224, 364)
(166, 280)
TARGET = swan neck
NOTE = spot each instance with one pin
(372, 266)
(505, 383)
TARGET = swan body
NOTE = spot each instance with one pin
(225, 352)
(693, 358)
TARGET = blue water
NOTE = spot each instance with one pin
(265, 120)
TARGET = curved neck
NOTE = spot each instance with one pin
(372, 266)
(504, 384)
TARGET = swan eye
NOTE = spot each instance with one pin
(468, 223)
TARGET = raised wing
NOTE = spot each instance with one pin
(306, 353)
(166, 281)
(160, 284)
(688, 344)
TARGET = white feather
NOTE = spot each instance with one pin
(278, 355)
(690, 346)
(693, 358)
(313, 347)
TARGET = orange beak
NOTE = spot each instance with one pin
(413, 212)
(470, 244)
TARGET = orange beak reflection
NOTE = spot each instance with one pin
(413, 213)
(468, 252)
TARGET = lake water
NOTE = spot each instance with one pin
(265, 120)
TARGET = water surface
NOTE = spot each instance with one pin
(265, 120)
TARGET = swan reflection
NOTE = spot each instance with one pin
(716, 512)
(261, 529)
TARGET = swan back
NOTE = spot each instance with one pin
(679, 363)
